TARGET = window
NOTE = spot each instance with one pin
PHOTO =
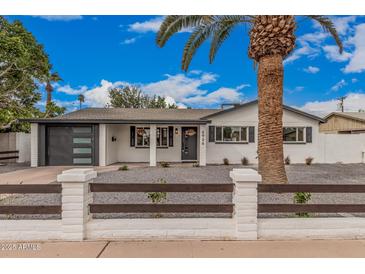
(143, 137)
(82, 160)
(82, 150)
(82, 140)
(293, 134)
(81, 129)
(231, 134)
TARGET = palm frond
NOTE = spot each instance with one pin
(327, 25)
(175, 23)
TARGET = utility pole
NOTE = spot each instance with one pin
(341, 103)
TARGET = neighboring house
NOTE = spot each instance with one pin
(344, 122)
(103, 136)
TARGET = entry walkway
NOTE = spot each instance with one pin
(197, 249)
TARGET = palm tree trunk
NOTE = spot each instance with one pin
(49, 97)
(270, 132)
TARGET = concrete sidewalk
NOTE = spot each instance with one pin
(191, 249)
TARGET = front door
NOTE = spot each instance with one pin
(189, 140)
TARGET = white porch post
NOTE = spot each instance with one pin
(34, 144)
(153, 145)
(102, 145)
(203, 145)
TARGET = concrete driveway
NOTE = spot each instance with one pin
(41, 175)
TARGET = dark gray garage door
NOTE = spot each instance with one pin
(70, 145)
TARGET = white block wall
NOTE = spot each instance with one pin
(23, 145)
(311, 228)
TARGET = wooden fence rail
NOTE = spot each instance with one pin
(9, 157)
(311, 208)
(161, 208)
(30, 189)
(313, 188)
(95, 187)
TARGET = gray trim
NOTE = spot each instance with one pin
(93, 121)
(231, 143)
(42, 145)
(256, 101)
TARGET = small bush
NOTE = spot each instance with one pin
(226, 161)
(287, 160)
(302, 198)
(158, 197)
(123, 168)
(244, 161)
(308, 161)
(165, 164)
(196, 165)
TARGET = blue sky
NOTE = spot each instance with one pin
(94, 53)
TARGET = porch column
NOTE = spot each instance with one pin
(34, 144)
(203, 145)
(102, 144)
(153, 145)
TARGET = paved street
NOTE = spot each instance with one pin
(193, 249)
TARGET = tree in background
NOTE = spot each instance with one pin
(133, 97)
(272, 38)
(52, 110)
(50, 79)
(81, 99)
(23, 64)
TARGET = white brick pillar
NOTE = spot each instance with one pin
(203, 145)
(245, 202)
(102, 145)
(153, 150)
(33, 144)
(75, 200)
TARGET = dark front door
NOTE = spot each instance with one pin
(189, 139)
(59, 146)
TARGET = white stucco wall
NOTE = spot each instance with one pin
(121, 151)
(34, 145)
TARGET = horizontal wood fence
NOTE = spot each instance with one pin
(94, 187)
(30, 189)
(161, 208)
(8, 157)
(311, 208)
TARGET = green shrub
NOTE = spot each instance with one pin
(302, 198)
(287, 160)
(165, 164)
(123, 168)
(244, 161)
(308, 161)
(226, 161)
(158, 197)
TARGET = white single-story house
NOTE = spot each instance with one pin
(103, 136)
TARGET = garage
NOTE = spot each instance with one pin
(70, 145)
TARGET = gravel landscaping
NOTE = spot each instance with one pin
(317, 173)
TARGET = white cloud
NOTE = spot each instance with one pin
(353, 102)
(243, 86)
(357, 61)
(179, 89)
(151, 25)
(354, 80)
(294, 90)
(334, 55)
(99, 96)
(343, 23)
(71, 91)
(312, 69)
(129, 41)
(60, 17)
(339, 85)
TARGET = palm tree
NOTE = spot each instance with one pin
(51, 78)
(272, 38)
(81, 99)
